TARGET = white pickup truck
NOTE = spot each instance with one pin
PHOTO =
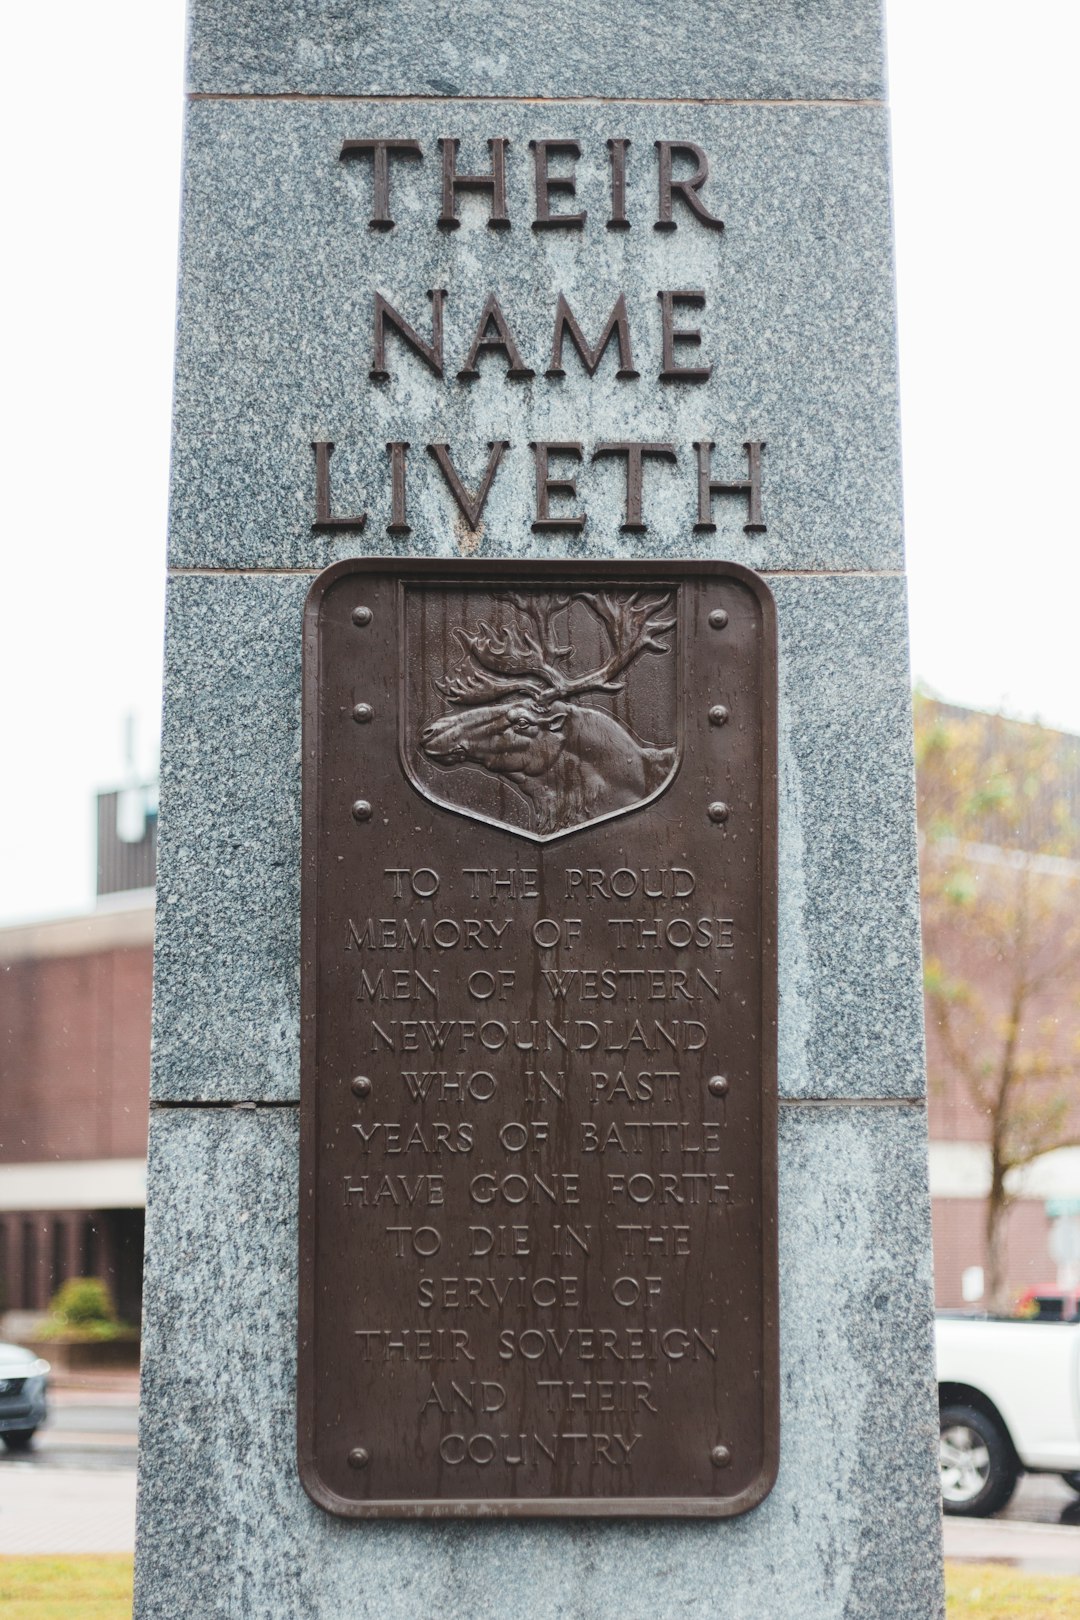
(1009, 1393)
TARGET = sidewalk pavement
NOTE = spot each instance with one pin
(73, 1510)
(1044, 1549)
(119, 1385)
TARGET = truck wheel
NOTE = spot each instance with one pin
(18, 1439)
(1072, 1480)
(978, 1466)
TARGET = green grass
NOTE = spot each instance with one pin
(65, 1588)
(100, 1589)
(994, 1592)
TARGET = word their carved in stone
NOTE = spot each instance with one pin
(518, 712)
(685, 188)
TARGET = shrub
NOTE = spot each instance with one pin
(82, 1311)
(81, 1301)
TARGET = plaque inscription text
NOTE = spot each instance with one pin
(538, 1186)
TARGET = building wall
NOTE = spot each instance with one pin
(1050, 1026)
(74, 1074)
(74, 1056)
(1053, 1023)
(127, 839)
(1011, 953)
(960, 1242)
(40, 1249)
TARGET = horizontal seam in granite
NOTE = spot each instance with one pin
(173, 1104)
(537, 101)
(852, 1102)
(312, 570)
(157, 1103)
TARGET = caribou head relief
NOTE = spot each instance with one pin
(519, 708)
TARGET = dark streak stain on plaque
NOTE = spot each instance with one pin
(538, 1183)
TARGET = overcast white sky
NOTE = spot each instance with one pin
(985, 174)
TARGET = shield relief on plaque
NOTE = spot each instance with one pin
(541, 709)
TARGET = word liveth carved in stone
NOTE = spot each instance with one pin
(636, 454)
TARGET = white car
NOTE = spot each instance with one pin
(1009, 1396)
(24, 1379)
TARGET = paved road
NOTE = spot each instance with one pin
(1043, 1499)
(90, 1431)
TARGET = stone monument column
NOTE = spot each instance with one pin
(599, 284)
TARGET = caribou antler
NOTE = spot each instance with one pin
(515, 660)
(542, 613)
(511, 662)
(632, 628)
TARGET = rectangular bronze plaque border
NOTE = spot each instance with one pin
(436, 571)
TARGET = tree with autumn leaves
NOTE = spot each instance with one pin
(999, 836)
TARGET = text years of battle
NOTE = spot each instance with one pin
(390, 1138)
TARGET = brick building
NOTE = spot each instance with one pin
(74, 1076)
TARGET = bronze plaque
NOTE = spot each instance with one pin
(538, 1179)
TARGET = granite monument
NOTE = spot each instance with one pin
(572, 289)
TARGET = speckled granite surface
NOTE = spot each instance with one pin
(817, 49)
